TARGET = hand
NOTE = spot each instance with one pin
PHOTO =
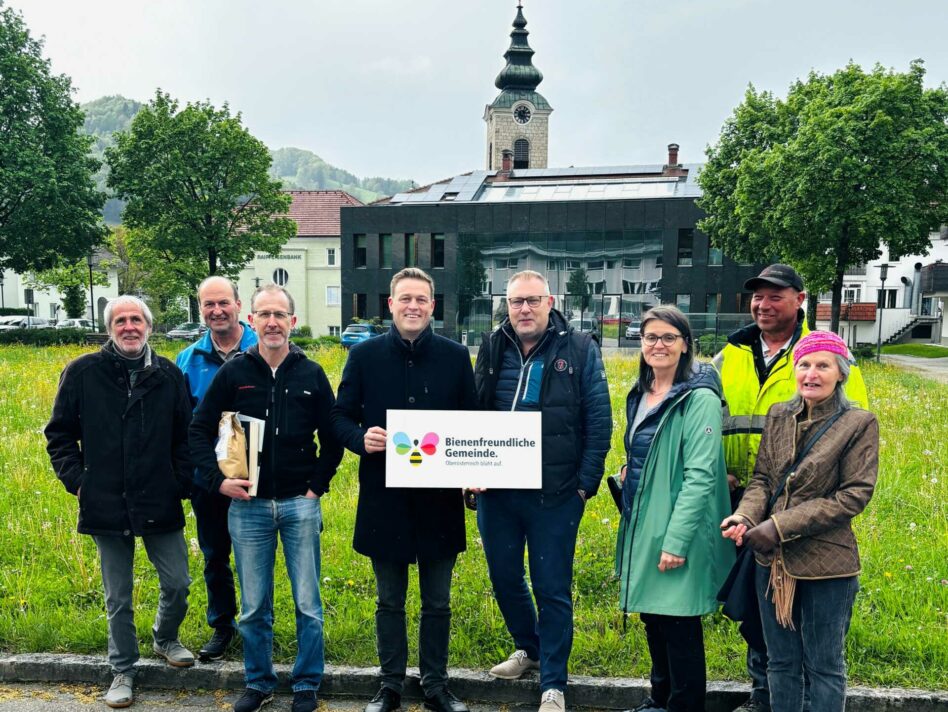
(734, 527)
(311, 495)
(470, 498)
(622, 475)
(732, 482)
(476, 490)
(235, 489)
(670, 561)
(763, 538)
(375, 439)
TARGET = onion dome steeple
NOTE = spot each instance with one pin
(519, 72)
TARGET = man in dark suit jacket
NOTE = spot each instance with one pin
(408, 368)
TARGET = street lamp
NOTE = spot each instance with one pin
(91, 295)
(883, 273)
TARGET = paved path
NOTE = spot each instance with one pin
(84, 698)
(936, 368)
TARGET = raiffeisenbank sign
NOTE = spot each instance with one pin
(455, 448)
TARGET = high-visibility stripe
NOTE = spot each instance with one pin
(743, 423)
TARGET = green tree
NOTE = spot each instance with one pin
(72, 281)
(197, 187)
(577, 289)
(49, 207)
(846, 163)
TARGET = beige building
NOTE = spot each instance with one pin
(308, 265)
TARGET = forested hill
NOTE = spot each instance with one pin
(297, 168)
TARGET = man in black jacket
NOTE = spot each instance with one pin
(274, 382)
(408, 368)
(535, 362)
(117, 439)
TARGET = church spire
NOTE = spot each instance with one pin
(519, 72)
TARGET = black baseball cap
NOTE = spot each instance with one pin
(776, 276)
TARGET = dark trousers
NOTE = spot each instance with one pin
(821, 613)
(391, 585)
(509, 520)
(210, 511)
(676, 645)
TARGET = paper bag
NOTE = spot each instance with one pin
(231, 447)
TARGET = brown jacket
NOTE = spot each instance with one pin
(831, 486)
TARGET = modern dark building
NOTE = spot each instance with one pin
(612, 241)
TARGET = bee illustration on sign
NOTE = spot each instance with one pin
(405, 445)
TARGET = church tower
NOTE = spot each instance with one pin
(518, 120)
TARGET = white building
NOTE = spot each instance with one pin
(909, 305)
(308, 265)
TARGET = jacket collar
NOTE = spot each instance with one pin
(410, 347)
(109, 348)
(247, 339)
(295, 354)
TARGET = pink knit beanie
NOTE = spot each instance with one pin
(819, 341)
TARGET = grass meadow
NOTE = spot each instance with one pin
(51, 596)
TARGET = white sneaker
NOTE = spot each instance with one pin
(552, 701)
(120, 693)
(515, 666)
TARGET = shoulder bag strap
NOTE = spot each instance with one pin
(803, 453)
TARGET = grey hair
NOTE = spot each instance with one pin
(126, 299)
(842, 400)
(529, 274)
(230, 282)
(273, 288)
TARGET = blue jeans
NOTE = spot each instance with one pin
(210, 512)
(169, 555)
(434, 582)
(254, 526)
(821, 613)
(509, 520)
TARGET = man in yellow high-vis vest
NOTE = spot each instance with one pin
(756, 368)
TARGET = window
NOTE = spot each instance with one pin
(628, 287)
(715, 257)
(411, 250)
(438, 307)
(506, 263)
(686, 245)
(437, 251)
(53, 309)
(521, 153)
(331, 256)
(659, 260)
(384, 310)
(852, 293)
(683, 302)
(280, 276)
(359, 305)
(573, 264)
(598, 287)
(333, 296)
(552, 265)
(712, 303)
(335, 330)
(631, 262)
(385, 251)
(595, 265)
(360, 255)
(610, 264)
(886, 298)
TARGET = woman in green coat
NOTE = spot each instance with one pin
(670, 556)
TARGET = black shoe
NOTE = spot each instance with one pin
(385, 700)
(444, 701)
(215, 648)
(304, 701)
(252, 700)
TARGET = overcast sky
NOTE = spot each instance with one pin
(398, 89)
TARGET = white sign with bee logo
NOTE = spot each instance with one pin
(462, 448)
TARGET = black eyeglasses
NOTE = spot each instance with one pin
(667, 339)
(517, 302)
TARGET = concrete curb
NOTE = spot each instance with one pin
(341, 681)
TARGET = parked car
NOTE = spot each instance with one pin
(75, 324)
(357, 333)
(587, 324)
(632, 330)
(9, 323)
(190, 331)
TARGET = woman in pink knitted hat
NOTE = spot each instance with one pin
(816, 470)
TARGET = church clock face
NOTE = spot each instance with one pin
(522, 114)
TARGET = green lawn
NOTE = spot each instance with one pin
(919, 350)
(51, 596)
